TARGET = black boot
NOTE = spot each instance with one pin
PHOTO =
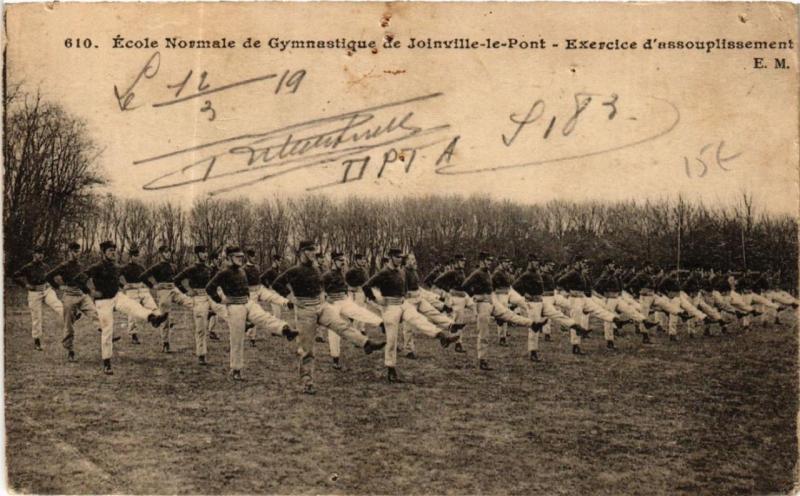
(289, 333)
(503, 341)
(534, 356)
(336, 364)
(460, 348)
(576, 350)
(107, 367)
(484, 365)
(371, 346)
(646, 339)
(165, 348)
(236, 375)
(547, 337)
(157, 320)
(392, 376)
(610, 345)
(71, 356)
(252, 343)
(135, 339)
(456, 327)
(213, 336)
(411, 355)
(673, 337)
(202, 360)
(446, 339)
(37, 344)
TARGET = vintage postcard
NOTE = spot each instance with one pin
(401, 248)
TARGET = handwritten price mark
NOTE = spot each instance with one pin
(700, 163)
(537, 110)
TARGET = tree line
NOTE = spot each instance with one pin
(664, 232)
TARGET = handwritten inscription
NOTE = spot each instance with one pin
(198, 85)
(710, 154)
(346, 138)
(666, 117)
(537, 110)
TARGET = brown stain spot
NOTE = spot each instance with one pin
(354, 79)
(572, 70)
(742, 18)
(374, 51)
(349, 53)
(388, 37)
(51, 5)
(385, 18)
(395, 72)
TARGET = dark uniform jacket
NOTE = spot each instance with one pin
(105, 276)
(132, 272)
(356, 277)
(71, 273)
(478, 283)
(452, 279)
(390, 282)
(233, 282)
(162, 271)
(197, 274)
(305, 281)
(529, 284)
(33, 273)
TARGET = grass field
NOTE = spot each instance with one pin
(703, 416)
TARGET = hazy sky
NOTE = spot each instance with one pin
(651, 111)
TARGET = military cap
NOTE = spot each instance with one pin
(38, 249)
(200, 249)
(133, 250)
(163, 249)
(336, 255)
(73, 246)
(233, 250)
(277, 257)
(395, 252)
(107, 245)
(250, 252)
(459, 256)
(306, 244)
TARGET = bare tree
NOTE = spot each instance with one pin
(51, 168)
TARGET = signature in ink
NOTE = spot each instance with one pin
(261, 156)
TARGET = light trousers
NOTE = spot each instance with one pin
(238, 315)
(308, 317)
(349, 309)
(105, 313)
(424, 308)
(37, 299)
(87, 307)
(166, 297)
(143, 297)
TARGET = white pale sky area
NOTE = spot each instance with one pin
(645, 113)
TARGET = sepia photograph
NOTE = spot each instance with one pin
(400, 248)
